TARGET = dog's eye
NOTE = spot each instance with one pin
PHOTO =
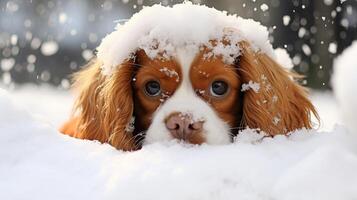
(152, 88)
(219, 88)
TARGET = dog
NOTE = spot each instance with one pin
(187, 96)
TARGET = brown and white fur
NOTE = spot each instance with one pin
(186, 108)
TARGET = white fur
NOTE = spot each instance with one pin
(185, 100)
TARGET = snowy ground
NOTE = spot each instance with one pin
(46, 103)
(36, 162)
(328, 110)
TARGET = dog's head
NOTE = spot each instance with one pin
(186, 72)
(189, 96)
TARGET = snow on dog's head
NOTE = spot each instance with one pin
(187, 72)
(160, 29)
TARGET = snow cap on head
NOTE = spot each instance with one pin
(344, 81)
(159, 30)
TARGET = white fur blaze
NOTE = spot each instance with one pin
(185, 100)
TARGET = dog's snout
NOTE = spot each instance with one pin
(182, 126)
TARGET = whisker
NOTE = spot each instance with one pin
(242, 70)
(139, 139)
(127, 142)
(137, 65)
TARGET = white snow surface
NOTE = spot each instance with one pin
(160, 30)
(344, 83)
(37, 162)
(44, 102)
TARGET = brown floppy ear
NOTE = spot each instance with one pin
(278, 105)
(104, 106)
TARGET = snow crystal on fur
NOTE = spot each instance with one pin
(251, 85)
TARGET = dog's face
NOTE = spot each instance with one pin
(188, 97)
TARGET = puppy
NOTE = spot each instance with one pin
(193, 95)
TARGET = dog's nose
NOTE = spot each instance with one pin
(182, 126)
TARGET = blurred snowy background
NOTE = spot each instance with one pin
(45, 41)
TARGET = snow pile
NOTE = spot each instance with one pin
(328, 109)
(344, 83)
(283, 58)
(36, 162)
(159, 30)
(45, 102)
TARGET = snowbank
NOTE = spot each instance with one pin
(36, 162)
(283, 58)
(159, 30)
(44, 102)
(344, 83)
(328, 109)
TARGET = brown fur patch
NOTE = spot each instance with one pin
(281, 105)
(204, 72)
(167, 73)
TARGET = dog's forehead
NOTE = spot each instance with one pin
(185, 62)
(185, 57)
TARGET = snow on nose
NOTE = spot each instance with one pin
(182, 126)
